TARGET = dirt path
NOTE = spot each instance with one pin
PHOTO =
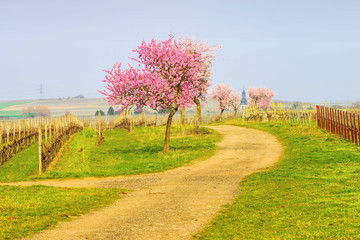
(177, 203)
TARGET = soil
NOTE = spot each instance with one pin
(175, 204)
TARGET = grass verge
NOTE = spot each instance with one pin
(26, 210)
(121, 153)
(311, 193)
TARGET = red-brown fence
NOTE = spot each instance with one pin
(344, 124)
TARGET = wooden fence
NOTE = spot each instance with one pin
(344, 124)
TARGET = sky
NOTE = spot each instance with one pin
(304, 50)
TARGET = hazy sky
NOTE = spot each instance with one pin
(306, 50)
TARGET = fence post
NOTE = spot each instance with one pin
(355, 130)
(318, 115)
(358, 117)
(40, 150)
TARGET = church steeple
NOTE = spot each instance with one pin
(243, 98)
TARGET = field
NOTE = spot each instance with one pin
(311, 192)
(11, 113)
(10, 104)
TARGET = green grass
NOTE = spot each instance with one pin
(10, 113)
(9, 104)
(26, 210)
(25, 165)
(121, 153)
(312, 193)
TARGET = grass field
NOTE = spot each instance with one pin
(14, 113)
(312, 193)
(26, 210)
(9, 104)
(121, 153)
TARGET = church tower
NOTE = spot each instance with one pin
(243, 102)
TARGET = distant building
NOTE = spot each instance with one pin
(243, 103)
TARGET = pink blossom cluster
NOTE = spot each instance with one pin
(170, 75)
(208, 55)
(260, 97)
(222, 93)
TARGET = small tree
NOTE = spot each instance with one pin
(235, 102)
(111, 111)
(168, 79)
(260, 97)
(222, 94)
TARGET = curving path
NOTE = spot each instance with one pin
(174, 204)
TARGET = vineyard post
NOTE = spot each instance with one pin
(355, 129)
(7, 133)
(1, 135)
(99, 128)
(13, 130)
(318, 115)
(351, 128)
(19, 128)
(331, 125)
(333, 120)
(339, 121)
(358, 117)
(345, 126)
(327, 119)
(40, 149)
(336, 123)
(324, 119)
(46, 129)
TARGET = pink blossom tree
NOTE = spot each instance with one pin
(169, 79)
(222, 93)
(235, 102)
(260, 97)
(207, 53)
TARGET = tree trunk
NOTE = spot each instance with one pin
(182, 115)
(167, 132)
(235, 112)
(221, 114)
(198, 108)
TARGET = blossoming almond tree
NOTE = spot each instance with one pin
(169, 79)
(222, 93)
(235, 101)
(207, 53)
(260, 97)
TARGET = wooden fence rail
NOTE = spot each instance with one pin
(344, 124)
